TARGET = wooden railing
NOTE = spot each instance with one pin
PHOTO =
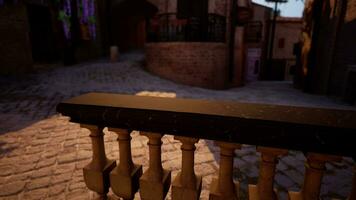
(324, 135)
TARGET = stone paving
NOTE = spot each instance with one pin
(42, 154)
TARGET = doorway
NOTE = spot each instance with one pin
(41, 34)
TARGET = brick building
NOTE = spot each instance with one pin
(197, 42)
(328, 50)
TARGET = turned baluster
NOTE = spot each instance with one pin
(96, 173)
(314, 171)
(155, 182)
(264, 189)
(224, 187)
(187, 185)
(124, 179)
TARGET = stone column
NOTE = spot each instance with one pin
(187, 185)
(124, 179)
(224, 187)
(314, 171)
(96, 173)
(155, 182)
(264, 189)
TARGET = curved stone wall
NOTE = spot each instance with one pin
(192, 63)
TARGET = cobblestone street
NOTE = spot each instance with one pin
(42, 154)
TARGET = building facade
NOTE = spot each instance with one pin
(287, 34)
(15, 46)
(257, 38)
(328, 55)
(197, 42)
(31, 34)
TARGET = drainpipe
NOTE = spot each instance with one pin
(275, 13)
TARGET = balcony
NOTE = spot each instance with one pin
(324, 135)
(169, 28)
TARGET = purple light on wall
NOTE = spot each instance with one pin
(92, 28)
(66, 22)
(85, 14)
(66, 30)
(67, 8)
(91, 8)
(1, 2)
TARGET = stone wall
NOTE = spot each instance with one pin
(196, 64)
(345, 53)
(15, 47)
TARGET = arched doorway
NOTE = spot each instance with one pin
(128, 20)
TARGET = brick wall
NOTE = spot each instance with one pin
(196, 64)
(15, 48)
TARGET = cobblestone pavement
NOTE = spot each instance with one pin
(42, 154)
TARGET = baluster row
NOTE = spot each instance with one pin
(127, 178)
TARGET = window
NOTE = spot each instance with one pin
(254, 31)
(281, 43)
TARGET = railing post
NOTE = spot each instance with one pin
(224, 187)
(96, 173)
(314, 171)
(264, 189)
(155, 182)
(353, 190)
(124, 179)
(187, 185)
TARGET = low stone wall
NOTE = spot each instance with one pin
(192, 63)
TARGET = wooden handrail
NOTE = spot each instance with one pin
(274, 129)
(316, 130)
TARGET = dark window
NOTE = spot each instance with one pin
(281, 43)
(254, 31)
